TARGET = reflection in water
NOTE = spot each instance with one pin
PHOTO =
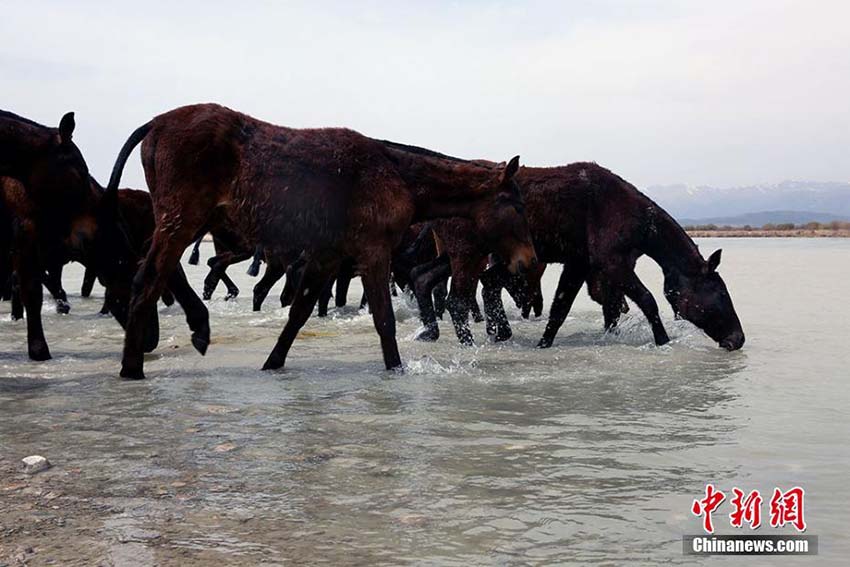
(589, 451)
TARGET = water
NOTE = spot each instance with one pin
(591, 451)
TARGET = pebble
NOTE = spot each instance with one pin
(35, 464)
(224, 447)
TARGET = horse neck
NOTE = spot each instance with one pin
(669, 245)
(443, 188)
(15, 152)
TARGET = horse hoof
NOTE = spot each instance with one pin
(256, 307)
(132, 373)
(39, 352)
(661, 341)
(544, 343)
(503, 334)
(231, 295)
(201, 341)
(63, 307)
(273, 362)
(429, 334)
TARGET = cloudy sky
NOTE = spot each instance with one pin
(720, 93)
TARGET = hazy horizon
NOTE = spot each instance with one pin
(722, 94)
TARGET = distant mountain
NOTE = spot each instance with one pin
(701, 203)
(764, 217)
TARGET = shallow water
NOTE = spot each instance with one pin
(591, 451)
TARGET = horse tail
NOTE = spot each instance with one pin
(137, 136)
(414, 247)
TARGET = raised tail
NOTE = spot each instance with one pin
(137, 136)
(423, 235)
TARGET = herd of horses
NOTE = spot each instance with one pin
(319, 206)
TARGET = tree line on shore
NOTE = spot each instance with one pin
(785, 226)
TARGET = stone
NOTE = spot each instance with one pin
(35, 464)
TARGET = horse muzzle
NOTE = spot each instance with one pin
(522, 262)
(733, 342)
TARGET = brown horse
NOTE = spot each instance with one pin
(109, 251)
(598, 225)
(331, 192)
(53, 183)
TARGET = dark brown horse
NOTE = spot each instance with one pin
(54, 183)
(598, 225)
(9, 290)
(331, 192)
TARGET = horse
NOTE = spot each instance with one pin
(53, 181)
(332, 192)
(52, 277)
(85, 239)
(597, 225)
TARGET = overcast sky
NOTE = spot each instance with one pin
(719, 93)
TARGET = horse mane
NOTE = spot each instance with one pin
(421, 151)
(666, 236)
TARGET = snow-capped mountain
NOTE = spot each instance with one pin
(702, 202)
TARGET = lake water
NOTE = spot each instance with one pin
(591, 451)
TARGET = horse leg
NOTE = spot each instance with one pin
(493, 279)
(17, 304)
(325, 298)
(375, 278)
(611, 311)
(537, 301)
(293, 278)
(166, 248)
(197, 315)
(104, 309)
(474, 308)
(461, 298)
(29, 273)
(274, 271)
(314, 279)
(89, 278)
(254, 268)
(211, 282)
(569, 285)
(637, 292)
(53, 283)
(425, 277)
(195, 256)
(441, 294)
(232, 289)
(465, 271)
(343, 281)
(535, 289)
(5, 273)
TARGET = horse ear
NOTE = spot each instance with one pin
(66, 127)
(511, 169)
(714, 260)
